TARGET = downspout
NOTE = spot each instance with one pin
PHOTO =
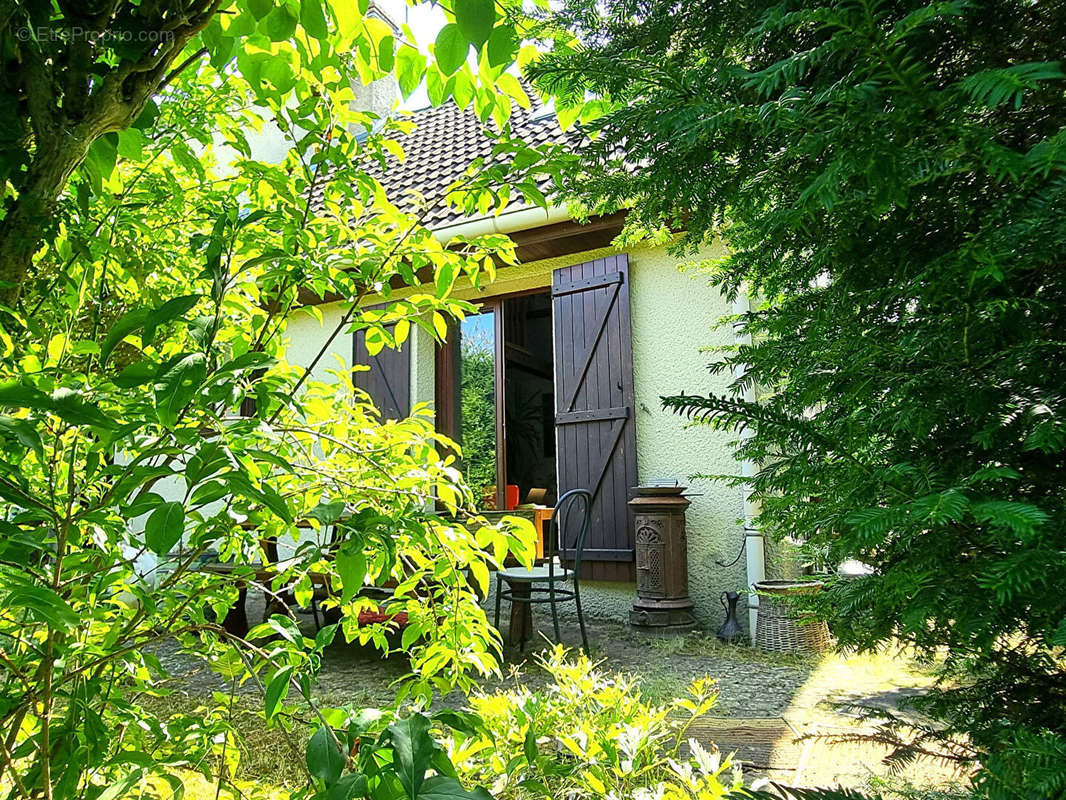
(754, 545)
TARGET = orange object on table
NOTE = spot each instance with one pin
(510, 497)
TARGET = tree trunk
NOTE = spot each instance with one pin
(66, 125)
(31, 215)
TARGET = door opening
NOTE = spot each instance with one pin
(529, 397)
(496, 398)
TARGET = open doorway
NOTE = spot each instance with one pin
(496, 399)
(529, 397)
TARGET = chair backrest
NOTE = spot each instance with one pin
(569, 527)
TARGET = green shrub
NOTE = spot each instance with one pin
(590, 735)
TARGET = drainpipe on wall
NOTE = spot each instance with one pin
(753, 538)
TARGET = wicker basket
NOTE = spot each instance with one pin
(780, 628)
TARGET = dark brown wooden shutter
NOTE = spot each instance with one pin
(388, 381)
(595, 428)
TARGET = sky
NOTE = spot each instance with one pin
(425, 20)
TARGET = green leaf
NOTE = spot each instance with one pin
(413, 750)
(171, 309)
(177, 386)
(279, 24)
(254, 359)
(23, 432)
(65, 403)
(995, 87)
(436, 85)
(361, 722)
(442, 787)
(221, 51)
(462, 88)
(277, 689)
(144, 504)
(313, 18)
(327, 513)
(131, 144)
(147, 117)
(529, 746)
(103, 155)
(445, 280)
(137, 374)
(1021, 518)
(451, 48)
(280, 75)
(18, 543)
(475, 19)
(69, 405)
(411, 634)
(19, 395)
(510, 86)
(264, 494)
(237, 26)
(164, 528)
(353, 785)
(351, 566)
(208, 493)
(410, 67)
(1058, 639)
(503, 46)
(123, 327)
(386, 53)
(324, 760)
(121, 787)
(260, 8)
(44, 605)
(250, 65)
(325, 636)
(286, 627)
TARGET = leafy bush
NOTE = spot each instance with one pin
(889, 179)
(157, 426)
(588, 735)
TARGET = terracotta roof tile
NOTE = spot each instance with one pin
(444, 142)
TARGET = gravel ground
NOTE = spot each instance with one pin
(753, 684)
(811, 693)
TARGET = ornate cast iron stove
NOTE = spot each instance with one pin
(662, 559)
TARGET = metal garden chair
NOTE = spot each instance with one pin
(551, 582)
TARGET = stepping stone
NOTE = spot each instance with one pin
(762, 745)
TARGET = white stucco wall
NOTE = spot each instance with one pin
(675, 315)
(305, 333)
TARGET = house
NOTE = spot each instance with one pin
(556, 383)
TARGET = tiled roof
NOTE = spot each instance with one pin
(442, 145)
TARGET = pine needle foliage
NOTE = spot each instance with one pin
(890, 178)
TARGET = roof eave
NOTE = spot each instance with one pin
(519, 219)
